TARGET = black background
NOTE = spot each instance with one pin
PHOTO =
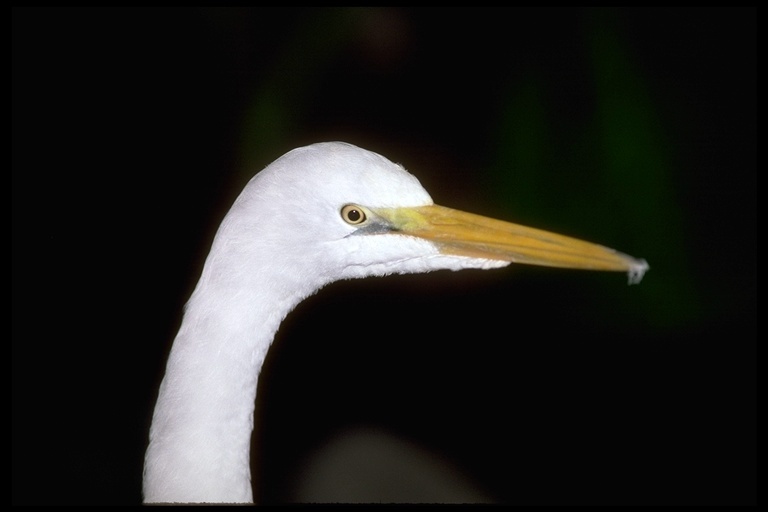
(134, 129)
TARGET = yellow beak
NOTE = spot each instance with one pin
(466, 234)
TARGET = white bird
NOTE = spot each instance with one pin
(317, 214)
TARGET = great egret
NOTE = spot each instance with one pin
(317, 214)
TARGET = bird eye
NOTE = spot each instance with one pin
(353, 214)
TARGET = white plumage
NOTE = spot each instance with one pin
(318, 214)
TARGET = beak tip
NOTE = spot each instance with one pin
(637, 270)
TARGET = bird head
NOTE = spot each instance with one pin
(335, 211)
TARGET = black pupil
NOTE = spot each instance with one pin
(353, 215)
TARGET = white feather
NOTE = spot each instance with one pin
(282, 240)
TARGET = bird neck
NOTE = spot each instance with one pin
(200, 438)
